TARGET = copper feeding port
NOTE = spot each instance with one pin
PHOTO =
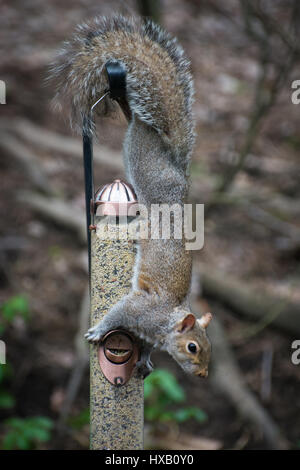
(117, 198)
(118, 348)
(118, 354)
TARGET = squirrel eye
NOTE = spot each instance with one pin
(192, 348)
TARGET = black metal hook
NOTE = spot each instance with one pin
(116, 74)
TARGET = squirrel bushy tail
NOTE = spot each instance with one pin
(158, 82)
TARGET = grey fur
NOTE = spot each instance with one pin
(84, 89)
(157, 150)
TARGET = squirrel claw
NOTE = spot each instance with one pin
(144, 368)
(93, 335)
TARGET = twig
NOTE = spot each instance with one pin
(263, 101)
(271, 27)
(81, 360)
(227, 377)
(266, 373)
(57, 210)
(247, 301)
(29, 162)
(55, 142)
(282, 227)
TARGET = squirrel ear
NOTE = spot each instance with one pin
(205, 320)
(187, 323)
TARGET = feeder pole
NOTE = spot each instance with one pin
(117, 412)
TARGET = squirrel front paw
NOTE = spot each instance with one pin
(94, 334)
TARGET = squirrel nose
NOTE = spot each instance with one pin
(203, 373)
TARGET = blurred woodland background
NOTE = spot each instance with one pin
(245, 55)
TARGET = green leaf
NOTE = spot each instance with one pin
(6, 400)
(82, 419)
(38, 434)
(171, 387)
(184, 414)
(200, 415)
(2, 372)
(9, 441)
(17, 305)
(22, 443)
(152, 413)
(166, 416)
(167, 383)
(25, 433)
(162, 390)
(5, 371)
(41, 421)
(15, 423)
(148, 388)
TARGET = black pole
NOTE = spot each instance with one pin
(88, 177)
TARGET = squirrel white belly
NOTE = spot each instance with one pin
(157, 149)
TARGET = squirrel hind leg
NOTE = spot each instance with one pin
(144, 369)
(144, 365)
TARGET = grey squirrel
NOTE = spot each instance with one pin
(157, 149)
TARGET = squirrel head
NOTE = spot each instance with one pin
(189, 345)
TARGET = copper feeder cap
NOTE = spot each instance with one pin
(117, 198)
